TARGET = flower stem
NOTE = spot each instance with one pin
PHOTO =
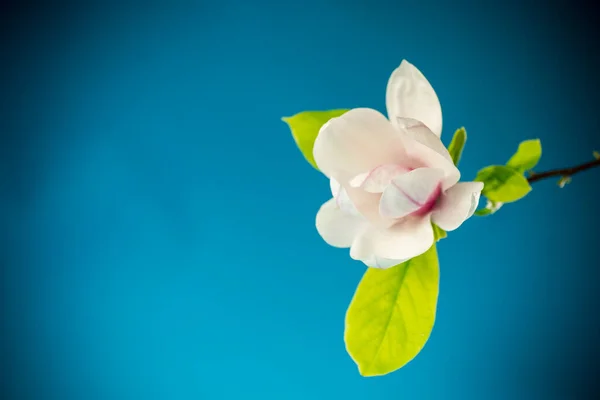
(565, 172)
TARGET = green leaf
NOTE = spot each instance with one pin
(483, 212)
(503, 184)
(305, 127)
(438, 233)
(392, 314)
(456, 145)
(527, 156)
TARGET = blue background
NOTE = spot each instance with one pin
(158, 236)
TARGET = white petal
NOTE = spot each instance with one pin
(336, 227)
(424, 152)
(419, 132)
(403, 241)
(410, 95)
(457, 205)
(367, 205)
(381, 263)
(410, 192)
(342, 200)
(335, 187)
(356, 142)
(376, 180)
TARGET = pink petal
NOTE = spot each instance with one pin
(418, 131)
(423, 151)
(376, 180)
(457, 205)
(367, 205)
(356, 142)
(403, 241)
(413, 192)
(336, 227)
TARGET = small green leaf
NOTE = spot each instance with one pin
(596, 155)
(457, 144)
(438, 233)
(483, 212)
(305, 127)
(392, 314)
(527, 156)
(502, 184)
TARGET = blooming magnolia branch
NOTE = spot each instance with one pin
(395, 191)
(565, 173)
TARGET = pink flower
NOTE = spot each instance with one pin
(390, 179)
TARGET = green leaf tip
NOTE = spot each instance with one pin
(483, 212)
(527, 156)
(438, 233)
(392, 313)
(305, 127)
(457, 144)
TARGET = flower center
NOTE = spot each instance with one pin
(424, 206)
(429, 204)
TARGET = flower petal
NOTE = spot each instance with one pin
(376, 180)
(424, 152)
(410, 192)
(410, 95)
(380, 263)
(336, 227)
(342, 199)
(355, 142)
(367, 205)
(457, 205)
(403, 241)
(419, 132)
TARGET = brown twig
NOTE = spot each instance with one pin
(565, 172)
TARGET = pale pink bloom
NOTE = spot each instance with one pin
(390, 179)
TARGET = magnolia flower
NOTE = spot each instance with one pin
(390, 179)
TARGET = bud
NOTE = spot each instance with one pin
(564, 181)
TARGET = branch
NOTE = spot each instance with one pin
(564, 173)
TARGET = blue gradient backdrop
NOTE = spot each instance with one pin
(158, 236)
